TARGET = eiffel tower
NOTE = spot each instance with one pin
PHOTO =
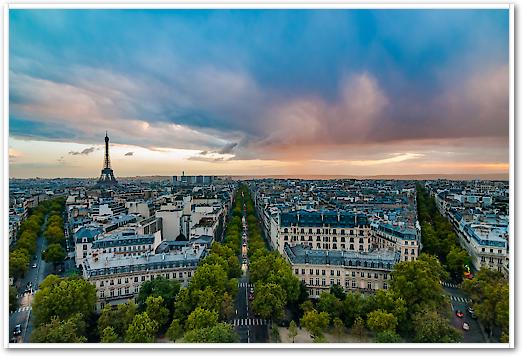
(107, 174)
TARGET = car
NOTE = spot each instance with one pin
(17, 330)
(471, 310)
(465, 326)
(473, 315)
(459, 314)
(34, 265)
(251, 290)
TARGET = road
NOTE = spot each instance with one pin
(459, 301)
(35, 276)
(250, 328)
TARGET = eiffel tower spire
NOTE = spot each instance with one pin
(107, 175)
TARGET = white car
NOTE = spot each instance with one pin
(465, 326)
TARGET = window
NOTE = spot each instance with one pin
(312, 272)
(84, 247)
(127, 290)
(309, 231)
(324, 282)
(302, 271)
(302, 238)
(324, 272)
(286, 238)
(317, 272)
(334, 246)
(406, 251)
(412, 251)
(499, 251)
(351, 247)
(351, 239)
(297, 271)
(101, 283)
(318, 238)
(342, 232)
(317, 281)
(189, 273)
(490, 250)
(112, 282)
(375, 275)
(385, 285)
(353, 273)
(142, 278)
(362, 274)
(369, 285)
(332, 281)
(385, 276)
(318, 245)
(343, 246)
(354, 285)
(135, 279)
(119, 292)
(180, 274)
(332, 272)
(351, 232)
(361, 232)
(343, 239)
(406, 243)
(334, 231)
(338, 273)
(361, 241)
(102, 294)
(405, 258)
(119, 280)
(111, 293)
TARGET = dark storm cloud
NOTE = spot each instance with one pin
(129, 154)
(270, 80)
(85, 151)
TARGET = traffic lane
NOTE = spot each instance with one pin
(258, 333)
(473, 335)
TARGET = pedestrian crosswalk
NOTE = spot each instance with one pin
(245, 285)
(26, 308)
(460, 299)
(450, 285)
(249, 321)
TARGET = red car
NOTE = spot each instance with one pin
(459, 313)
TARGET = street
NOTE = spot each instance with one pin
(250, 328)
(35, 276)
(459, 301)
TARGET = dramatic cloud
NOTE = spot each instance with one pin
(343, 85)
(129, 154)
(83, 152)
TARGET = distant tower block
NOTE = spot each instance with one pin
(107, 175)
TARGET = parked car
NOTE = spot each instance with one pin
(465, 326)
(473, 315)
(17, 330)
(459, 314)
(471, 310)
(34, 265)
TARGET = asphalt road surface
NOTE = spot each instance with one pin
(459, 301)
(35, 276)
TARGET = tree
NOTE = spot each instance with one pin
(338, 328)
(227, 307)
(388, 336)
(315, 322)
(292, 330)
(352, 307)
(18, 263)
(157, 311)
(168, 289)
(219, 333)
(183, 305)
(379, 320)
(63, 299)
(54, 234)
(455, 261)
(13, 301)
(142, 329)
(201, 318)
(118, 318)
(54, 254)
(209, 276)
(108, 335)
(207, 299)
(175, 330)
(430, 326)
(358, 328)
(70, 330)
(330, 304)
(418, 282)
(307, 306)
(274, 334)
(337, 291)
(269, 301)
(389, 302)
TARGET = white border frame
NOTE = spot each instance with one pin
(253, 5)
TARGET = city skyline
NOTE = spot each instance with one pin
(259, 92)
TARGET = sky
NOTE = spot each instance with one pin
(258, 92)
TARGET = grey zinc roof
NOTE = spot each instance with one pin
(375, 259)
(88, 232)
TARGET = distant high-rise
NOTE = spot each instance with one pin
(107, 175)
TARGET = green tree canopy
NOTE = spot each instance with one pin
(219, 333)
(117, 317)
(142, 329)
(71, 330)
(329, 303)
(157, 311)
(269, 301)
(315, 322)
(167, 289)
(201, 318)
(108, 335)
(430, 327)
(18, 263)
(379, 321)
(54, 254)
(63, 299)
